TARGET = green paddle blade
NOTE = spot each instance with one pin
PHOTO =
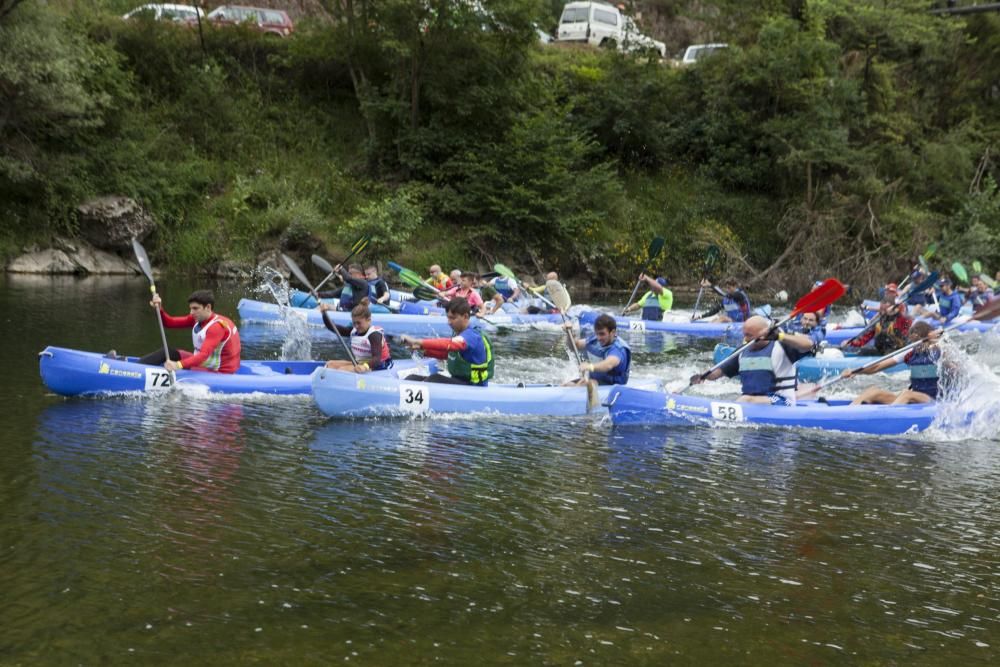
(655, 246)
(360, 244)
(977, 267)
(960, 273)
(424, 293)
(989, 281)
(931, 249)
(409, 277)
(504, 271)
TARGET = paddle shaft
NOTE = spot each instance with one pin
(358, 247)
(294, 268)
(143, 259)
(653, 252)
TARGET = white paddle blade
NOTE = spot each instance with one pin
(560, 297)
(143, 259)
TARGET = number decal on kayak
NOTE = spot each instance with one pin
(727, 412)
(636, 325)
(157, 378)
(415, 398)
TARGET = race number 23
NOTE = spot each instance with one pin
(415, 398)
(157, 378)
(727, 412)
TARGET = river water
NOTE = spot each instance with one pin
(181, 529)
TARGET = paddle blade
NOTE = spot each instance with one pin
(711, 258)
(989, 281)
(931, 249)
(977, 267)
(821, 297)
(296, 271)
(593, 398)
(322, 264)
(360, 244)
(655, 246)
(560, 297)
(424, 293)
(409, 277)
(504, 271)
(143, 259)
(960, 273)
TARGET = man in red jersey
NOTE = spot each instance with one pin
(215, 338)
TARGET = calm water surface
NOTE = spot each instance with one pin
(183, 530)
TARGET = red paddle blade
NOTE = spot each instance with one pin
(821, 297)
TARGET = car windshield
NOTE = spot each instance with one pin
(575, 15)
(273, 17)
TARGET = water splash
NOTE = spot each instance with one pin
(971, 404)
(298, 343)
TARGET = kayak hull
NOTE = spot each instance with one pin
(77, 373)
(345, 395)
(636, 407)
(393, 324)
(701, 329)
(813, 369)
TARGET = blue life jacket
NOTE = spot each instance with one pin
(924, 371)
(618, 374)
(949, 305)
(817, 334)
(732, 307)
(757, 373)
(504, 288)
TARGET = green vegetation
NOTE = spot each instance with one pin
(833, 137)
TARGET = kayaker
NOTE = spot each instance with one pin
(466, 290)
(925, 382)
(610, 357)
(809, 324)
(215, 338)
(891, 291)
(767, 367)
(949, 303)
(438, 278)
(355, 287)
(492, 301)
(551, 284)
(469, 352)
(379, 290)
(735, 302)
(507, 288)
(664, 299)
(889, 332)
(978, 294)
(365, 341)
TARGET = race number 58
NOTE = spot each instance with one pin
(414, 398)
(727, 412)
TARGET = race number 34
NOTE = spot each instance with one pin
(727, 412)
(157, 378)
(414, 398)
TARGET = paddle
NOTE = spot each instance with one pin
(921, 263)
(977, 267)
(989, 281)
(324, 265)
(990, 310)
(420, 288)
(561, 302)
(297, 272)
(960, 273)
(900, 298)
(147, 268)
(655, 246)
(816, 300)
(711, 257)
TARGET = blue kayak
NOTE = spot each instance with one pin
(813, 369)
(394, 324)
(300, 299)
(637, 407)
(340, 394)
(685, 328)
(75, 373)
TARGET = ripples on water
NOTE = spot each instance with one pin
(179, 529)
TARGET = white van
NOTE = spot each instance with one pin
(166, 12)
(600, 24)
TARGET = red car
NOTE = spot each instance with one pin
(269, 21)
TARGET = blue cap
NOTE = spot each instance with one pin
(945, 281)
(662, 281)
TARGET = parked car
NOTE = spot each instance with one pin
(697, 52)
(602, 24)
(268, 21)
(162, 12)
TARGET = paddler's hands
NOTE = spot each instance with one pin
(586, 367)
(705, 282)
(697, 379)
(412, 343)
(324, 306)
(172, 365)
(847, 374)
(156, 302)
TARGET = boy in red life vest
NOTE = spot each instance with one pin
(215, 338)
